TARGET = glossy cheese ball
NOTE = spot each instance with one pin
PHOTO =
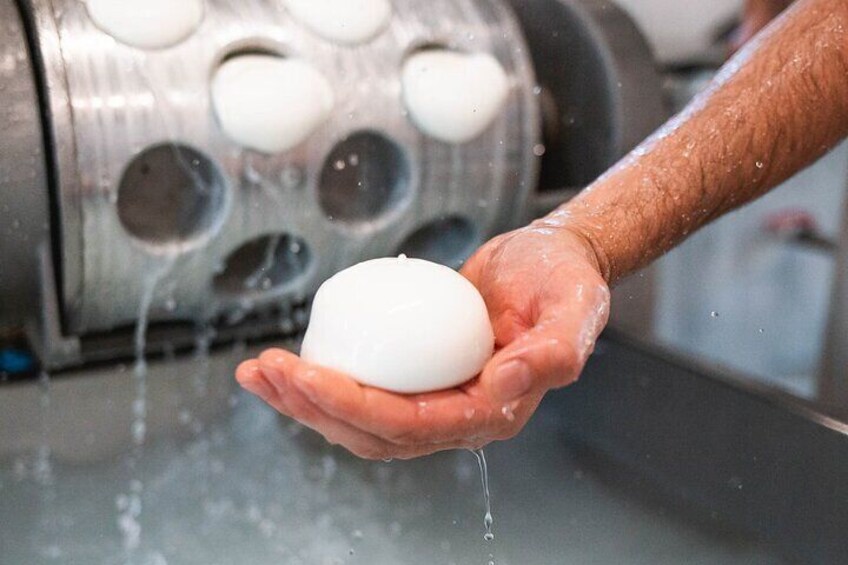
(147, 24)
(269, 103)
(452, 96)
(403, 325)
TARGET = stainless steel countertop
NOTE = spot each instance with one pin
(238, 484)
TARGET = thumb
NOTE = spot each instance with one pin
(551, 354)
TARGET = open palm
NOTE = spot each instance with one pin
(547, 302)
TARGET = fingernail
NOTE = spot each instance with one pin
(259, 387)
(511, 381)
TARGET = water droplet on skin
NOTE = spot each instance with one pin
(507, 413)
(759, 164)
(469, 413)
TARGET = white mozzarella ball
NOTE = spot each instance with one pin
(451, 96)
(342, 21)
(147, 24)
(403, 325)
(270, 103)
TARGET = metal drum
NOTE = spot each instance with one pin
(151, 193)
(24, 214)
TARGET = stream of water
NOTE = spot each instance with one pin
(130, 505)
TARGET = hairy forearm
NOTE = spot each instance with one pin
(776, 107)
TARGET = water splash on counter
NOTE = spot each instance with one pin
(130, 505)
(43, 467)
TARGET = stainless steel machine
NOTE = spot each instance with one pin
(116, 169)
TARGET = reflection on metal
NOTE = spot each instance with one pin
(833, 378)
(598, 86)
(763, 460)
(227, 481)
(24, 213)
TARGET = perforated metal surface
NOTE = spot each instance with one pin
(110, 102)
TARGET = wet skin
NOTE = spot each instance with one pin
(780, 104)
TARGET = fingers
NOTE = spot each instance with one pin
(291, 402)
(458, 415)
(540, 358)
(554, 351)
(250, 377)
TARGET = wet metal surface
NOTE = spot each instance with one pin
(238, 484)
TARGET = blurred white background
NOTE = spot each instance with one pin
(681, 30)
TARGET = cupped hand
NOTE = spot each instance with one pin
(547, 302)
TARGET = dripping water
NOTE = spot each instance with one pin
(488, 520)
(130, 504)
(44, 456)
(44, 475)
(261, 277)
(202, 447)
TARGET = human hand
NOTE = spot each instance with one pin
(548, 303)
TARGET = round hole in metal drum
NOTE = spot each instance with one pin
(264, 264)
(365, 176)
(253, 46)
(171, 195)
(449, 241)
